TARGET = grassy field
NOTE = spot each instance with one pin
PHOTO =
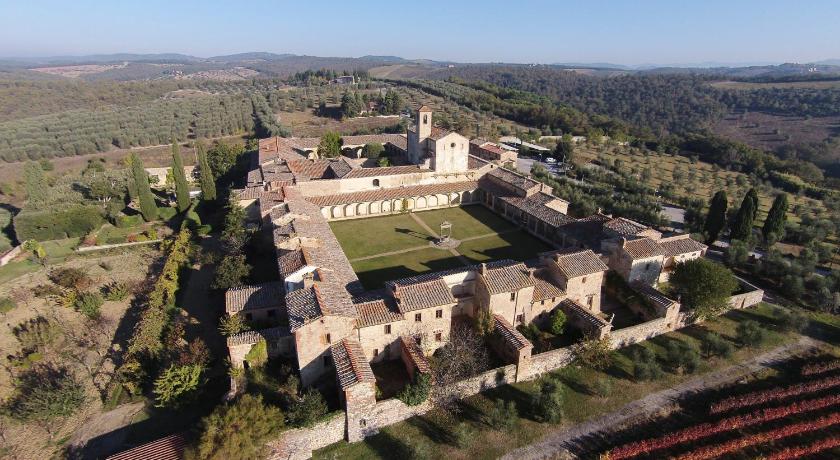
(370, 243)
(435, 432)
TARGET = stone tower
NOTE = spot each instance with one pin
(424, 122)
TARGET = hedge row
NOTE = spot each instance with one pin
(54, 224)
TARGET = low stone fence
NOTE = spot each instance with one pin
(298, 444)
(10, 255)
(751, 295)
(115, 246)
(547, 362)
(640, 332)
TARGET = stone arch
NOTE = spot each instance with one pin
(336, 212)
(442, 199)
(432, 201)
(466, 197)
(420, 202)
(361, 209)
(349, 210)
(386, 206)
(326, 212)
(375, 207)
(456, 199)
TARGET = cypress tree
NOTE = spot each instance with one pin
(36, 183)
(775, 222)
(742, 225)
(716, 218)
(754, 197)
(208, 182)
(144, 192)
(182, 190)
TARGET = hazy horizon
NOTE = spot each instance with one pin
(621, 33)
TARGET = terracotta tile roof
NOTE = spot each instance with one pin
(351, 366)
(396, 140)
(574, 263)
(384, 171)
(393, 193)
(545, 287)
(424, 108)
(340, 167)
(254, 297)
(516, 181)
(509, 334)
(680, 244)
(438, 275)
(302, 306)
(538, 205)
(169, 448)
(252, 337)
(474, 162)
(309, 169)
(304, 143)
(379, 311)
(624, 226)
(439, 133)
(289, 261)
(642, 248)
(415, 354)
(418, 296)
(653, 294)
(569, 306)
(506, 278)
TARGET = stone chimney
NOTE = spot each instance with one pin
(482, 269)
(308, 280)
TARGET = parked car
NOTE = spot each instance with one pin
(550, 160)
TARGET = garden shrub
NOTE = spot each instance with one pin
(308, 409)
(258, 355)
(116, 291)
(123, 221)
(416, 392)
(750, 333)
(548, 402)
(177, 385)
(502, 415)
(682, 357)
(43, 393)
(645, 366)
(715, 345)
(558, 321)
(238, 429)
(55, 224)
(89, 304)
(791, 321)
(7, 304)
(167, 213)
(71, 278)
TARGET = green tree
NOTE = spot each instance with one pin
(791, 321)
(502, 415)
(737, 253)
(776, 218)
(645, 366)
(238, 429)
(742, 225)
(177, 385)
(750, 333)
(232, 324)
(716, 219)
(141, 183)
(565, 148)
(703, 286)
(594, 352)
(182, 188)
(310, 408)
(330, 145)
(548, 402)
(715, 345)
(231, 272)
(36, 184)
(89, 304)
(43, 393)
(558, 321)
(373, 150)
(208, 182)
(682, 357)
(416, 392)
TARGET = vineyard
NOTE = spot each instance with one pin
(798, 417)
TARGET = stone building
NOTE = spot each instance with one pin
(493, 153)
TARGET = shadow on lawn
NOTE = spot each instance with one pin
(415, 234)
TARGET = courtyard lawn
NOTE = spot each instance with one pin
(516, 245)
(376, 235)
(374, 272)
(468, 221)
(435, 431)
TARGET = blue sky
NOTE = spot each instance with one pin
(623, 32)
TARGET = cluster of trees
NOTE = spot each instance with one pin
(352, 104)
(83, 131)
(322, 77)
(265, 122)
(741, 223)
(233, 268)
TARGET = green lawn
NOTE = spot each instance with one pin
(374, 272)
(467, 221)
(376, 235)
(434, 432)
(517, 245)
(368, 237)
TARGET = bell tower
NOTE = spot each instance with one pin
(424, 122)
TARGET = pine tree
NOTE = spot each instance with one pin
(716, 218)
(36, 183)
(775, 222)
(742, 225)
(208, 182)
(182, 189)
(144, 192)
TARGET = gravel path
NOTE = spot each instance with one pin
(559, 444)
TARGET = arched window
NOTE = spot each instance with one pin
(376, 182)
(452, 145)
(425, 119)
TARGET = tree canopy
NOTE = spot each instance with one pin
(703, 286)
(208, 181)
(144, 193)
(330, 145)
(238, 429)
(716, 219)
(182, 189)
(742, 225)
(774, 224)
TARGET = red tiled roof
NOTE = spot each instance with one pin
(384, 171)
(168, 448)
(680, 244)
(506, 278)
(392, 193)
(351, 366)
(254, 297)
(545, 287)
(642, 248)
(418, 296)
(415, 355)
(378, 311)
(510, 335)
(578, 263)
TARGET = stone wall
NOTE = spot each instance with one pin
(634, 334)
(750, 297)
(298, 444)
(546, 362)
